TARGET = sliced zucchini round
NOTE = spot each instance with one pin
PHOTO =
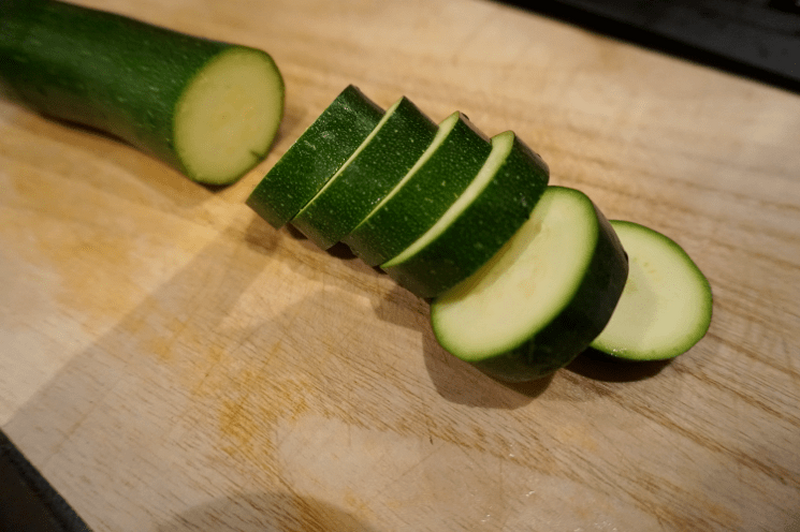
(542, 298)
(666, 306)
(315, 156)
(371, 172)
(436, 180)
(490, 210)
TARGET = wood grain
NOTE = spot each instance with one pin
(172, 363)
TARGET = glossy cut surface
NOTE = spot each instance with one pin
(666, 306)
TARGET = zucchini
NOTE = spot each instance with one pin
(210, 109)
(436, 180)
(666, 306)
(314, 157)
(496, 203)
(371, 172)
(521, 276)
(542, 298)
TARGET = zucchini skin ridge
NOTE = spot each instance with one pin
(488, 222)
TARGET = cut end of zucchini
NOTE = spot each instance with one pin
(228, 116)
(532, 278)
(543, 298)
(666, 306)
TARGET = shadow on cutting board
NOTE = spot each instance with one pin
(597, 366)
(455, 380)
(459, 382)
(265, 512)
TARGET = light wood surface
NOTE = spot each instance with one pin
(172, 363)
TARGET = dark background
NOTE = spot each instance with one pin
(757, 39)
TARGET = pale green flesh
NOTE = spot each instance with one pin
(228, 116)
(525, 285)
(355, 154)
(501, 147)
(665, 307)
(445, 127)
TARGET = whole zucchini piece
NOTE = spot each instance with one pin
(542, 298)
(210, 109)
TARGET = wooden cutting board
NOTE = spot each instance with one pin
(170, 362)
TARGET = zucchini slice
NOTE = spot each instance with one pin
(211, 109)
(494, 205)
(371, 172)
(314, 157)
(436, 180)
(542, 298)
(666, 306)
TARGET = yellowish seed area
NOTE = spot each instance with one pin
(229, 115)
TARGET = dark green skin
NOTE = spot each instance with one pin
(486, 224)
(422, 199)
(314, 157)
(366, 180)
(101, 70)
(571, 332)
